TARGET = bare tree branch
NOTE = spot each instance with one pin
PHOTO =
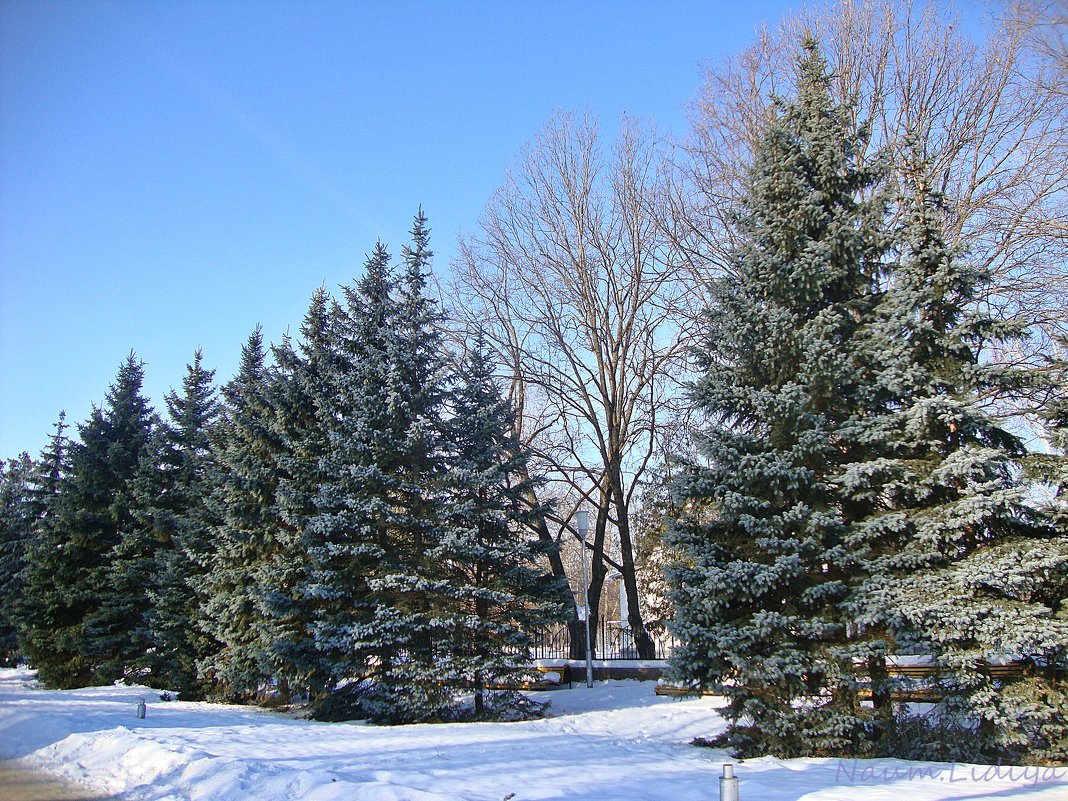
(581, 288)
(990, 117)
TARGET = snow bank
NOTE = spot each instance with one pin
(616, 742)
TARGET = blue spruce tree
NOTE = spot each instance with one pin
(415, 686)
(764, 563)
(245, 476)
(955, 559)
(858, 497)
(492, 581)
(379, 509)
(302, 394)
(44, 606)
(117, 447)
(339, 499)
(172, 508)
(16, 532)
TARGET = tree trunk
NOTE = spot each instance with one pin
(576, 635)
(644, 643)
(880, 694)
(598, 570)
(480, 704)
(575, 629)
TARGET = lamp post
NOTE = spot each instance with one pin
(582, 519)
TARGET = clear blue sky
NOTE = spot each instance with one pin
(173, 173)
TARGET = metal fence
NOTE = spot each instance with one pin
(612, 640)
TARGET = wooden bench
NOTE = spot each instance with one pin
(543, 682)
(680, 692)
(1007, 671)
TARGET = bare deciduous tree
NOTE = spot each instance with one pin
(576, 283)
(1045, 23)
(990, 117)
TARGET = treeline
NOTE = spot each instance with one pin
(344, 526)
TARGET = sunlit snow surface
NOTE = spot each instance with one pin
(616, 742)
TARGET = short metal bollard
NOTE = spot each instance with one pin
(728, 784)
(141, 709)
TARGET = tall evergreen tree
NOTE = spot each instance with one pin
(44, 605)
(344, 511)
(242, 500)
(489, 567)
(955, 559)
(303, 393)
(378, 510)
(859, 497)
(415, 686)
(171, 507)
(115, 553)
(90, 625)
(764, 565)
(16, 531)
(334, 494)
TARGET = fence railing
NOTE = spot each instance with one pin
(611, 640)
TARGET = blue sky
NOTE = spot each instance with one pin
(173, 173)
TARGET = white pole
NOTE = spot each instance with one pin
(728, 784)
(582, 518)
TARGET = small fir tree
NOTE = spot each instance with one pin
(652, 557)
(489, 566)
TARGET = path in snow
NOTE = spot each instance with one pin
(20, 783)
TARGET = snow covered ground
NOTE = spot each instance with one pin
(616, 742)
